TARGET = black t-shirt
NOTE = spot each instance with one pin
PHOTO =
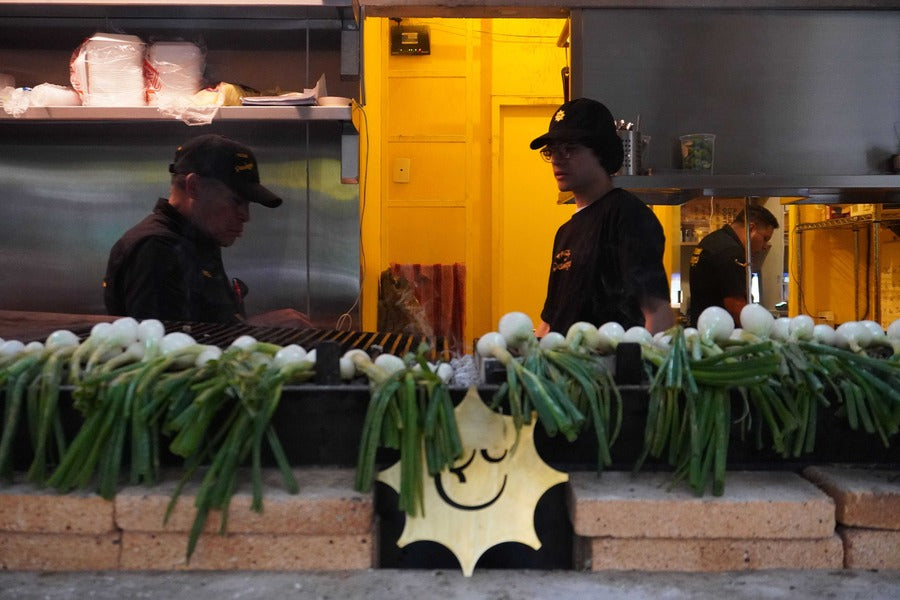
(717, 271)
(606, 259)
(165, 268)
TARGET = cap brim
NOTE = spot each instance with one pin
(560, 135)
(254, 192)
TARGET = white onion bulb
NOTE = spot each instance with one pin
(637, 335)
(150, 330)
(781, 329)
(590, 337)
(488, 342)
(243, 342)
(801, 327)
(445, 372)
(390, 363)
(715, 324)
(611, 333)
(552, 341)
(893, 330)
(824, 334)
(290, 354)
(11, 348)
(209, 353)
(515, 327)
(61, 338)
(757, 320)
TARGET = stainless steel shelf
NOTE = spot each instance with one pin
(678, 188)
(151, 113)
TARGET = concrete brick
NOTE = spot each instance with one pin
(757, 505)
(58, 551)
(870, 548)
(862, 497)
(25, 508)
(326, 505)
(694, 555)
(166, 551)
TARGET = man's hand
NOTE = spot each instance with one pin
(284, 317)
(658, 315)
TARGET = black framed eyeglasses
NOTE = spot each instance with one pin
(562, 151)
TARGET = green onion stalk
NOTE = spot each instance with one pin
(409, 410)
(586, 387)
(529, 387)
(114, 398)
(866, 388)
(219, 418)
(29, 383)
(689, 409)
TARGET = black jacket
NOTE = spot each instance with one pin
(167, 269)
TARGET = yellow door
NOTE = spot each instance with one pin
(525, 207)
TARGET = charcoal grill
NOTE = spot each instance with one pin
(373, 342)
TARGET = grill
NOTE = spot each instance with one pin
(217, 334)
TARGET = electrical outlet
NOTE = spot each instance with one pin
(401, 170)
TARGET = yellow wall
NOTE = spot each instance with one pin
(436, 111)
(833, 271)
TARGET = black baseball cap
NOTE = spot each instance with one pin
(585, 121)
(578, 120)
(230, 162)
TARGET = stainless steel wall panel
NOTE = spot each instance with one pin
(71, 189)
(785, 91)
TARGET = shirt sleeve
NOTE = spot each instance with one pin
(641, 256)
(153, 282)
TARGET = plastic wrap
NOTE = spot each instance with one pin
(49, 94)
(173, 72)
(14, 101)
(108, 70)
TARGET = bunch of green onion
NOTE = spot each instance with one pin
(410, 410)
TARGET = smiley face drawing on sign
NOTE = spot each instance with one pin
(490, 494)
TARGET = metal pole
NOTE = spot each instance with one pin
(876, 228)
(748, 269)
(855, 273)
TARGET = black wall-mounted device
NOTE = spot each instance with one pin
(410, 39)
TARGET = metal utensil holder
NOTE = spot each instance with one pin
(631, 143)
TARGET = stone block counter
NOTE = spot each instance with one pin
(765, 520)
(867, 512)
(327, 526)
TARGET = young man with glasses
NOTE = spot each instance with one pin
(169, 266)
(607, 259)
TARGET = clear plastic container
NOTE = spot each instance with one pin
(698, 151)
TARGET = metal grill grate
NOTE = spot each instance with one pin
(217, 334)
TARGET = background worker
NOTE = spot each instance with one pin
(718, 271)
(607, 259)
(169, 266)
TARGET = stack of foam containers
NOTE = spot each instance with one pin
(108, 70)
(174, 72)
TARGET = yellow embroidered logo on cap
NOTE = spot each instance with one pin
(206, 273)
(560, 115)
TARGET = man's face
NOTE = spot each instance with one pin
(218, 211)
(759, 237)
(575, 167)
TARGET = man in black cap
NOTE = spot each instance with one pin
(718, 273)
(169, 266)
(607, 259)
